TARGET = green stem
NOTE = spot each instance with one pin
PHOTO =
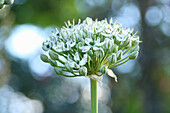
(120, 63)
(94, 100)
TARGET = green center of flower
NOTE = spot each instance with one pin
(48, 46)
(92, 43)
(65, 45)
(58, 34)
(77, 61)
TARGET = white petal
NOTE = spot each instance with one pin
(76, 57)
(66, 24)
(108, 31)
(95, 48)
(88, 40)
(56, 30)
(83, 61)
(106, 35)
(111, 74)
(71, 63)
(97, 41)
(58, 49)
(79, 21)
(72, 44)
(85, 48)
(135, 38)
(100, 44)
(89, 21)
(96, 78)
(120, 39)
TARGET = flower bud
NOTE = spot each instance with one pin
(44, 58)
(114, 49)
(53, 62)
(135, 42)
(126, 42)
(109, 43)
(117, 42)
(53, 55)
(83, 71)
(103, 69)
(99, 54)
(68, 67)
(58, 70)
(133, 55)
(119, 54)
(112, 59)
(135, 48)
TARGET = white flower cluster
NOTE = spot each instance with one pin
(90, 48)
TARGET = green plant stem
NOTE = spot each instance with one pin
(94, 100)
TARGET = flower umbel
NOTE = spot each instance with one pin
(90, 48)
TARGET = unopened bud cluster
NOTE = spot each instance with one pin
(90, 48)
(5, 2)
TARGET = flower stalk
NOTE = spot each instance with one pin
(94, 99)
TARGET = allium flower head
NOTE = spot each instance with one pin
(90, 48)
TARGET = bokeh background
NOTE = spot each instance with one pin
(27, 85)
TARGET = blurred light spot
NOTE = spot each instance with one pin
(39, 68)
(82, 6)
(127, 67)
(103, 93)
(166, 10)
(24, 41)
(80, 81)
(73, 97)
(20, 2)
(67, 93)
(129, 15)
(165, 27)
(103, 108)
(14, 102)
(48, 31)
(163, 1)
(95, 2)
(153, 16)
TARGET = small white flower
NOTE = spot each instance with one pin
(96, 45)
(61, 46)
(89, 21)
(77, 63)
(47, 45)
(106, 34)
